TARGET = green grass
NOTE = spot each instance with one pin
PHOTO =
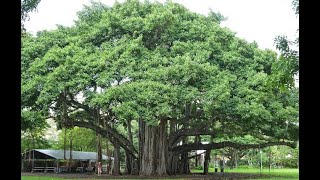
(38, 178)
(275, 174)
(57, 178)
(287, 174)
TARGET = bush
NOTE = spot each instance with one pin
(289, 162)
(199, 167)
(245, 167)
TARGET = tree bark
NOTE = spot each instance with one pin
(197, 140)
(65, 144)
(128, 159)
(162, 153)
(129, 127)
(64, 114)
(172, 163)
(109, 157)
(206, 162)
(141, 143)
(71, 148)
(173, 159)
(99, 149)
(128, 164)
(153, 148)
(116, 156)
(184, 166)
(148, 155)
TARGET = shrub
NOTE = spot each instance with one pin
(199, 167)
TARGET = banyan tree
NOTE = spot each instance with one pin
(175, 73)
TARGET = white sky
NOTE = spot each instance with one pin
(259, 20)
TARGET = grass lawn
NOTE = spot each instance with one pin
(56, 178)
(275, 174)
(286, 174)
(40, 178)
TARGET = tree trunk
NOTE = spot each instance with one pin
(236, 158)
(70, 155)
(129, 131)
(172, 163)
(128, 164)
(148, 149)
(196, 159)
(109, 157)
(116, 156)
(184, 166)
(153, 148)
(206, 162)
(197, 140)
(99, 159)
(64, 110)
(128, 158)
(99, 148)
(233, 159)
(108, 153)
(162, 152)
(141, 143)
(65, 144)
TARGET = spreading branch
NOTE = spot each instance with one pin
(111, 134)
(199, 146)
(187, 132)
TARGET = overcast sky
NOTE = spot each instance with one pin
(259, 20)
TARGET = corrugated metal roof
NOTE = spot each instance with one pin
(80, 155)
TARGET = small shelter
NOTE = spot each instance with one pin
(53, 160)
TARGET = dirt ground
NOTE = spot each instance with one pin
(194, 176)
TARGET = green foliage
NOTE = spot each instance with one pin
(83, 139)
(287, 67)
(285, 157)
(33, 126)
(31, 120)
(198, 167)
(151, 61)
(34, 140)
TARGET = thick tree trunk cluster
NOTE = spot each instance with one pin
(153, 149)
(158, 153)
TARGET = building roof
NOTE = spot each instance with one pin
(76, 155)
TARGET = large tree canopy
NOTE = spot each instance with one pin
(161, 66)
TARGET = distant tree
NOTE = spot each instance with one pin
(33, 127)
(83, 140)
